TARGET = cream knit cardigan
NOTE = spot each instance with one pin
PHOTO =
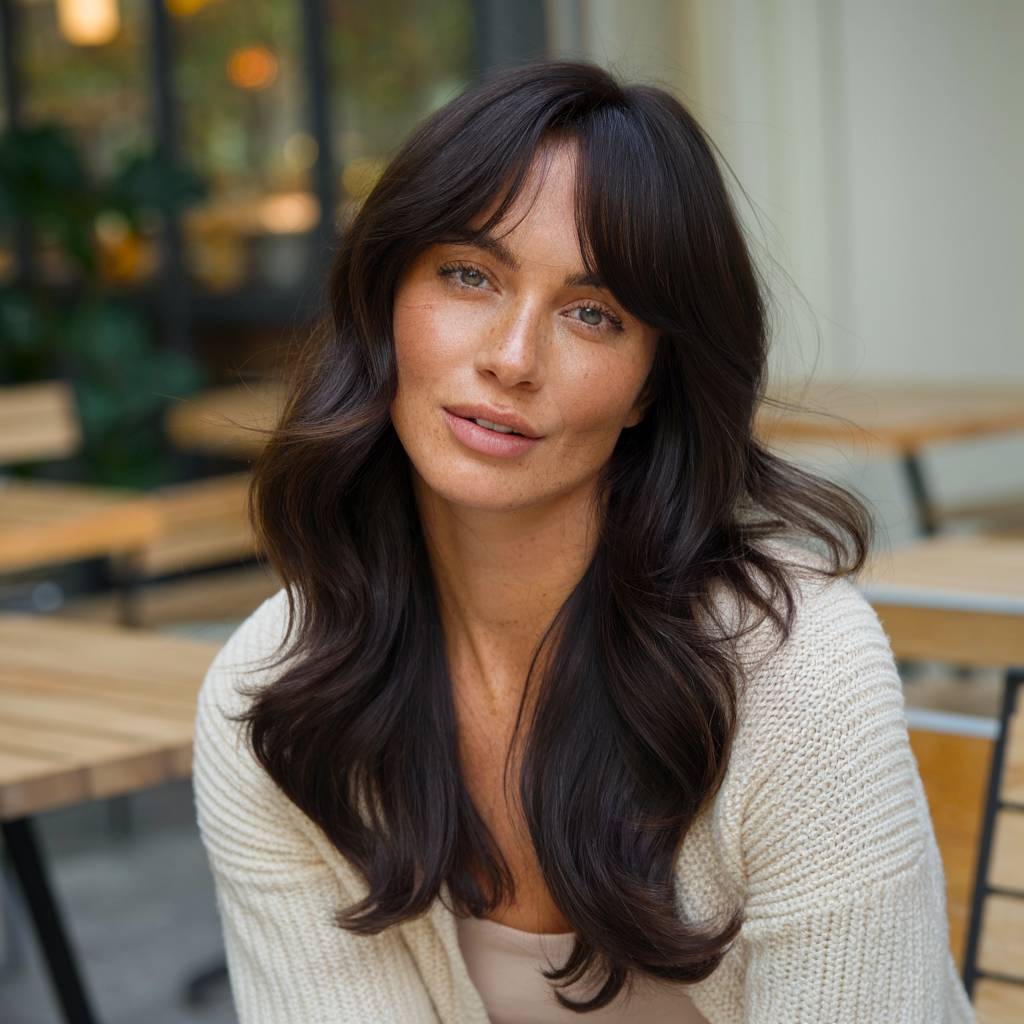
(821, 828)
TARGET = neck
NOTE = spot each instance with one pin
(501, 577)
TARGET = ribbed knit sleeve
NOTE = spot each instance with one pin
(845, 895)
(276, 894)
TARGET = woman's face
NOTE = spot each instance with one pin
(515, 325)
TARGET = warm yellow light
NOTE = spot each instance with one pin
(360, 175)
(300, 151)
(88, 22)
(185, 8)
(289, 212)
(252, 67)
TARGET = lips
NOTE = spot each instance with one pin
(487, 441)
(503, 417)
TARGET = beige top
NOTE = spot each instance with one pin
(505, 965)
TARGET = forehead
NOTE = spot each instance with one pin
(543, 211)
(548, 192)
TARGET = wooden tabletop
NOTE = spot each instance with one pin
(972, 573)
(89, 710)
(952, 597)
(44, 521)
(893, 417)
(883, 416)
(226, 421)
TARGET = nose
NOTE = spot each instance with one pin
(513, 347)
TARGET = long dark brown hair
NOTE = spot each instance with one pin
(637, 705)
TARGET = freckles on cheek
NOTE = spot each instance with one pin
(599, 401)
(424, 335)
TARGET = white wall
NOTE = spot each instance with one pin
(882, 146)
(928, 110)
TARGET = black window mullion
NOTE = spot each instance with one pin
(173, 295)
(9, 25)
(314, 30)
(507, 33)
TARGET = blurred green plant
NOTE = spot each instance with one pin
(86, 333)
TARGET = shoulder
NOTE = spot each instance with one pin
(247, 656)
(836, 653)
(247, 824)
(221, 755)
(822, 777)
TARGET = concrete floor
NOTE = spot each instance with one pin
(140, 909)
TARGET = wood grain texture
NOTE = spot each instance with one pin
(89, 710)
(226, 421)
(1012, 789)
(1006, 869)
(954, 771)
(890, 417)
(978, 639)
(48, 521)
(1001, 949)
(203, 523)
(958, 599)
(968, 572)
(38, 421)
(998, 1002)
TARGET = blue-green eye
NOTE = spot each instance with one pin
(466, 275)
(597, 317)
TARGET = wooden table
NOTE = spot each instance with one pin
(952, 598)
(44, 521)
(895, 419)
(227, 421)
(86, 711)
(960, 599)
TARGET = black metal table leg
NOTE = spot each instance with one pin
(924, 509)
(126, 575)
(1014, 682)
(23, 850)
(199, 987)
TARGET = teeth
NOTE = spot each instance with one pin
(496, 426)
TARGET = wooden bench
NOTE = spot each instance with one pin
(228, 421)
(47, 521)
(204, 525)
(995, 944)
(37, 422)
(954, 766)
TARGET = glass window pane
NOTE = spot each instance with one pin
(390, 63)
(239, 81)
(83, 66)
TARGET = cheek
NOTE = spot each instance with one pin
(426, 339)
(601, 396)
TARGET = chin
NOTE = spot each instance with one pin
(477, 487)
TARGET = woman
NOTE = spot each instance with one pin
(552, 684)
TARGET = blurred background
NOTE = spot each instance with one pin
(173, 175)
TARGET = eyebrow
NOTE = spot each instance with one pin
(504, 255)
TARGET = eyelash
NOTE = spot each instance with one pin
(449, 270)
